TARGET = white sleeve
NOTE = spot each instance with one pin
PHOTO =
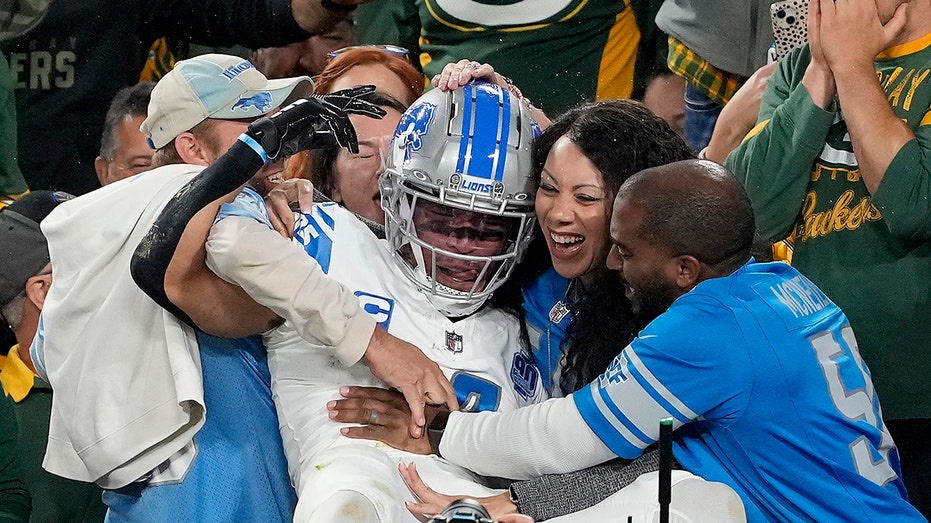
(546, 438)
(278, 274)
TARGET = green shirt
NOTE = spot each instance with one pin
(388, 22)
(559, 52)
(868, 253)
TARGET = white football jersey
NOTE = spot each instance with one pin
(481, 354)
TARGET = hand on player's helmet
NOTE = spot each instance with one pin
(314, 122)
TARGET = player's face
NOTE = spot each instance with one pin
(574, 208)
(647, 270)
(356, 175)
(459, 232)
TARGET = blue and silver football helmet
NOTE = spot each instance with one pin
(468, 149)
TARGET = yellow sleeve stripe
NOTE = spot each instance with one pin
(616, 71)
(756, 130)
(926, 120)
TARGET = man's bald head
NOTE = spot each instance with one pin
(693, 207)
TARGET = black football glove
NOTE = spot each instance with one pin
(314, 122)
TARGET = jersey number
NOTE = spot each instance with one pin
(856, 404)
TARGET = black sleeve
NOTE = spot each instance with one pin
(250, 23)
(152, 256)
(558, 494)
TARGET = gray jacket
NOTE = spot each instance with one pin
(734, 35)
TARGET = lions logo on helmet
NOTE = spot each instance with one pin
(466, 151)
(414, 125)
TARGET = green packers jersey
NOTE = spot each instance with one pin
(559, 52)
(869, 253)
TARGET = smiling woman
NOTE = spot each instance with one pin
(577, 316)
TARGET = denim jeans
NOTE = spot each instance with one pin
(701, 113)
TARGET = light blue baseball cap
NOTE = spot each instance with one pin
(214, 86)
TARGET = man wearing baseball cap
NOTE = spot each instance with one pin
(199, 108)
(136, 425)
(25, 277)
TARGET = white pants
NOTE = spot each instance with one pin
(373, 472)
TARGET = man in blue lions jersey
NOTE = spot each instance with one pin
(757, 367)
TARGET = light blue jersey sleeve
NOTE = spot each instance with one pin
(674, 369)
(547, 324)
(247, 204)
(314, 231)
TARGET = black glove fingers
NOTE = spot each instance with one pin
(365, 109)
(343, 132)
(313, 122)
(354, 92)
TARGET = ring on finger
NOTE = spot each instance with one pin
(373, 417)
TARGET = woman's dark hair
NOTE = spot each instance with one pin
(620, 137)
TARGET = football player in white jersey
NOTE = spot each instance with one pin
(458, 196)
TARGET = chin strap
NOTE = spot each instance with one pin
(451, 307)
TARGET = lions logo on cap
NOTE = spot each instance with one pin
(261, 101)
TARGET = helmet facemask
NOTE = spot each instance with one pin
(456, 234)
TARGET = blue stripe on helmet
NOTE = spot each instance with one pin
(505, 130)
(484, 137)
(466, 126)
